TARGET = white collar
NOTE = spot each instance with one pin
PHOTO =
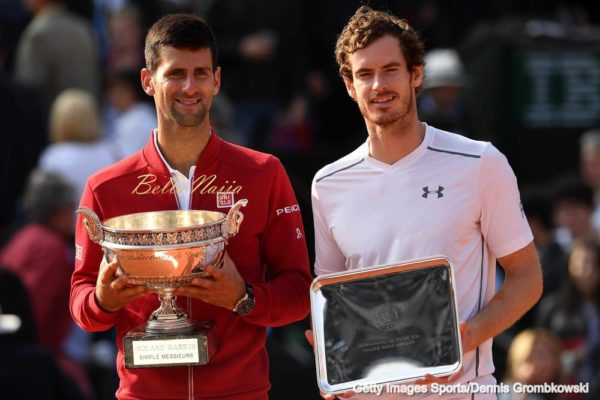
(171, 170)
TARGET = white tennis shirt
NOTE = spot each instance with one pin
(451, 196)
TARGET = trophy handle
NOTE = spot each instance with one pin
(92, 224)
(234, 219)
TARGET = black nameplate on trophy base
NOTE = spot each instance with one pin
(386, 324)
(144, 350)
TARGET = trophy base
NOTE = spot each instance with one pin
(178, 326)
(151, 350)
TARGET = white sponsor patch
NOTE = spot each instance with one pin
(78, 252)
(225, 200)
(288, 210)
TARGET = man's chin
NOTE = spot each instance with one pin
(189, 124)
(384, 120)
(189, 121)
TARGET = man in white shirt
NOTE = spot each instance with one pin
(414, 191)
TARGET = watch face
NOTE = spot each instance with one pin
(245, 306)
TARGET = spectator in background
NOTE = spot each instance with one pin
(574, 313)
(553, 258)
(262, 55)
(136, 117)
(533, 359)
(57, 51)
(76, 151)
(293, 131)
(589, 151)
(538, 210)
(41, 255)
(23, 133)
(439, 103)
(22, 357)
(126, 40)
(572, 207)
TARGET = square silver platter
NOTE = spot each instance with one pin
(385, 325)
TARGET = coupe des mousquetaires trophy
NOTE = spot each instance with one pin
(163, 250)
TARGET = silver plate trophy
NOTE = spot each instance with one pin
(385, 325)
(163, 250)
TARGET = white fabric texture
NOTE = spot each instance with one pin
(76, 161)
(182, 183)
(132, 127)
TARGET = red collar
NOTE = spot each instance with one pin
(209, 155)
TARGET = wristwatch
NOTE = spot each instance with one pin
(245, 304)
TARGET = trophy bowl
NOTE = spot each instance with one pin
(165, 249)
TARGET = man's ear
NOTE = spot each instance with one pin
(350, 87)
(417, 76)
(217, 77)
(147, 82)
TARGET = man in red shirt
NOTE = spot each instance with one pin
(40, 254)
(185, 165)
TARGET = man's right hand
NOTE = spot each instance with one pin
(311, 340)
(112, 292)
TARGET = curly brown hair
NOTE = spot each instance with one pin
(368, 25)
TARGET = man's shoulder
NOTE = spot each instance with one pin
(343, 164)
(57, 20)
(454, 144)
(243, 157)
(122, 169)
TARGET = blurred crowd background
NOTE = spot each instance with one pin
(524, 75)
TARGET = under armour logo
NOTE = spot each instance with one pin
(298, 233)
(427, 192)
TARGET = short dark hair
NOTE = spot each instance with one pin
(368, 25)
(536, 200)
(571, 189)
(46, 194)
(182, 31)
(129, 78)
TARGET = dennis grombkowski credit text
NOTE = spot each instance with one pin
(472, 387)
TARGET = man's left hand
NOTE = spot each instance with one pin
(467, 345)
(222, 287)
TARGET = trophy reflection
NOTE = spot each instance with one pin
(163, 250)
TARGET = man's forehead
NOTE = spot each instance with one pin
(382, 51)
(170, 57)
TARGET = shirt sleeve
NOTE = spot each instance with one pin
(284, 297)
(503, 221)
(88, 256)
(328, 257)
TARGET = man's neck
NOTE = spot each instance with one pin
(182, 147)
(391, 143)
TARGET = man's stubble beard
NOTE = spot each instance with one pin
(400, 118)
(188, 120)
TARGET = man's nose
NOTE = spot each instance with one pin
(189, 84)
(379, 82)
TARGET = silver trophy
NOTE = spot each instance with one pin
(163, 250)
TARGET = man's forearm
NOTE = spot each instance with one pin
(521, 289)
